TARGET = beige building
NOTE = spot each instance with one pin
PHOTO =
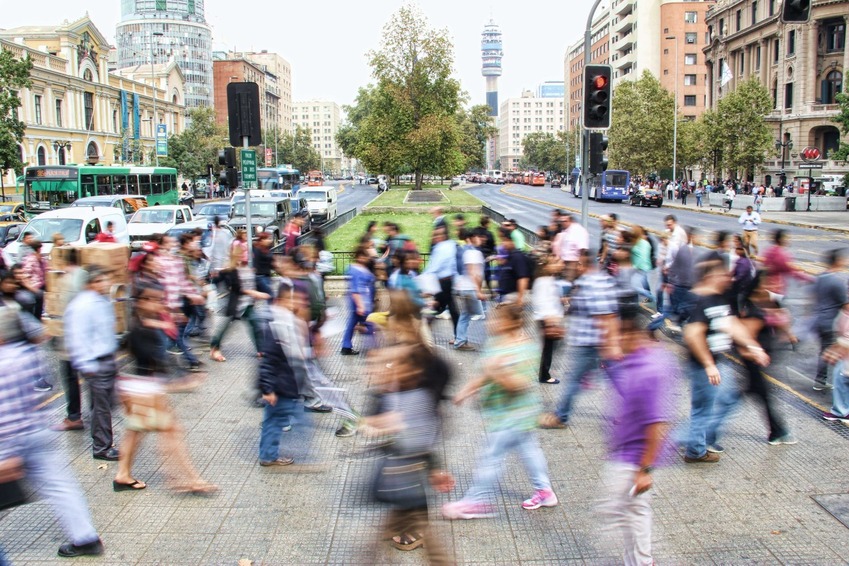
(76, 111)
(802, 65)
(322, 118)
(668, 29)
(521, 116)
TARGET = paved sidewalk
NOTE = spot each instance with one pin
(837, 221)
(754, 507)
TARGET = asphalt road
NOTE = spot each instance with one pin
(792, 369)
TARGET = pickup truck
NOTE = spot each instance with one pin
(156, 220)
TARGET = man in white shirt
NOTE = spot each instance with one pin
(677, 234)
(568, 244)
(750, 221)
(729, 197)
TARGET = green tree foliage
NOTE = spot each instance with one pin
(842, 118)
(14, 75)
(197, 146)
(476, 127)
(641, 126)
(544, 151)
(408, 121)
(739, 128)
(296, 150)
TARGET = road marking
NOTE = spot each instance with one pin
(48, 401)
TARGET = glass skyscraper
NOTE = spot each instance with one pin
(184, 35)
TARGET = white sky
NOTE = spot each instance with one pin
(326, 40)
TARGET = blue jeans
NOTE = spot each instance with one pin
(353, 320)
(47, 470)
(840, 395)
(698, 199)
(584, 360)
(681, 300)
(640, 284)
(274, 418)
(183, 347)
(710, 405)
(492, 463)
(470, 306)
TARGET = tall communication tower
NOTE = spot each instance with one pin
(491, 54)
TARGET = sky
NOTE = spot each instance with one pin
(326, 40)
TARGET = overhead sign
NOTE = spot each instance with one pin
(248, 167)
(243, 111)
(810, 166)
(161, 140)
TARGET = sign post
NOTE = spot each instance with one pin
(811, 156)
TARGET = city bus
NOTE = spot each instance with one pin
(315, 178)
(282, 178)
(48, 187)
(610, 185)
(538, 179)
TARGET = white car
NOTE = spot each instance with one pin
(322, 202)
(79, 225)
(156, 220)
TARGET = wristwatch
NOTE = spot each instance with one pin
(647, 469)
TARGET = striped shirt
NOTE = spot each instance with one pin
(22, 366)
(594, 295)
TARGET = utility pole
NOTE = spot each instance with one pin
(585, 157)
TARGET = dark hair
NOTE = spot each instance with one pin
(709, 267)
(460, 217)
(109, 224)
(834, 256)
(613, 216)
(484, 220)
(720, 237)
(504, 233)
(670, 217)
(28, 233)
(371, 224)
(360, 251)
(779, 236)
(186, 238)
(285, 287)
(216, 221)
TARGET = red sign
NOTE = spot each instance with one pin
(268, 156)
(811, 154)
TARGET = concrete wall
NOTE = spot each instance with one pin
(772, 204)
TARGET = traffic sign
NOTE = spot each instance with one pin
(248, 166)
(810, 166)
(268, 162)
(811, 153)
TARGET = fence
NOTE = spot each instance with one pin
(531, 237)
(342, 260)
(327, 228)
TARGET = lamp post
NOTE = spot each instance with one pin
(675, 116)
(783, 146)
(60, 145)
(154, 123)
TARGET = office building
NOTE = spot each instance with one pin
(278, 74)
(521, 116)
(322, 118)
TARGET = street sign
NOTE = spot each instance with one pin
(810, 166)
(161, 140)
(248, 167)
(268, 162)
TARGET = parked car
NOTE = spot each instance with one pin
(213, 209)
(267, 215)
(205, 226)
(239, 195)
(298, 204)
(79, 226)
(12, 211)
(555, 182)
(128, 204)
(156, 220)
(371, 181)
(9, 231)
(647, 197)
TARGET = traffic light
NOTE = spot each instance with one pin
(796, 11)
(598, 160)
(597, 97)
(229, 177)
(227, 157)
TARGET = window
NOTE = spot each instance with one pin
(771, 7)
(721, 27)
(757, 57)
(690, 100)
(161, 6)
(835, 37)
(689, 80)
(42, 155)
(791, 42)
(88, 103)
(831, 87)
(58, 112)
(788, 96)
(690, 17)
(754, 13)
(37, 108)
(690, 59)
(690, 37)
(776, 51)
(738, 20)
(742, 63)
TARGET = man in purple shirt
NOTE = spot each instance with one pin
(643, 380)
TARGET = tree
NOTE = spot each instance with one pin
(411, 125)
(197, 146)
(296, 150)
(742, 134)
(842, 118)
(545, 151)
(476, 127)
(14, 75)
(641, 128)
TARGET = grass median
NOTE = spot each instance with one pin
(396, 196)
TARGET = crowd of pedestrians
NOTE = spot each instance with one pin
(610, 301)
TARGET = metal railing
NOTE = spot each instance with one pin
(327, 228)
(531, 237)
(343, 260)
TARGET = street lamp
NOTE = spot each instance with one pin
(63, 145)
(153, 82)
(783, 146)
(675, 116)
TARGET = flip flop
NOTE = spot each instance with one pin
(408, 541)
(135, 485)
(200, 488)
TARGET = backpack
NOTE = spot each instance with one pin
(654, 247)
(460, 251)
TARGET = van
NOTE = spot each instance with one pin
(322, 202)
(79, 226)
(129, 204)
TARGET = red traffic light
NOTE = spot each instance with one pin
(599, 81)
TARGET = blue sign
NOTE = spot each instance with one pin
(161, 140)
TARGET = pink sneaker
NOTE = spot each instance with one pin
(542, 498)
(463, 509)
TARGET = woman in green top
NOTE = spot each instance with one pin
(511, 406)
(641, 259)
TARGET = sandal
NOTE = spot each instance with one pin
(408, 541)
(216, 355)
(199, 488)
(134, 485)
(551, 380)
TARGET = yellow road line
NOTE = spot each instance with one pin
(48, 401)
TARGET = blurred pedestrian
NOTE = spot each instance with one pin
(34, 278)
(829, 296)
(507, 384)
(468, 287)
(360, 298)
(547, 298)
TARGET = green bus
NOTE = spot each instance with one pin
(47, 187)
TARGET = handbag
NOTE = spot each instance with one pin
(401, 480)
(12, 492)
(145, 403)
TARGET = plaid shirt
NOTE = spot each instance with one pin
(174, 280)
(594, 295)
(22, 366)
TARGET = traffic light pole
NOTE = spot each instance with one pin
(585, 135)
(248, 224)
